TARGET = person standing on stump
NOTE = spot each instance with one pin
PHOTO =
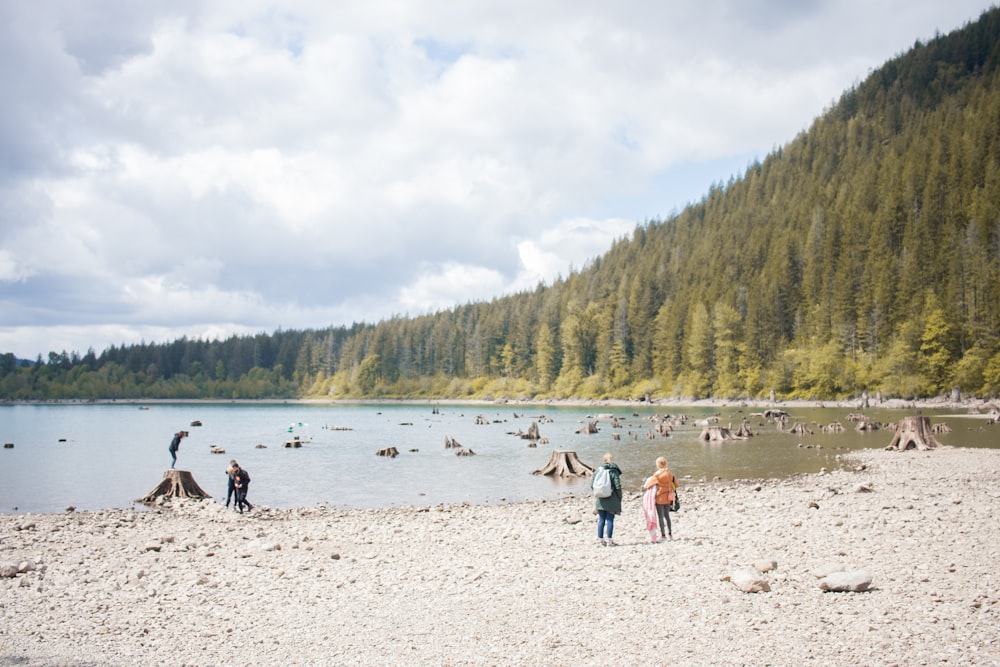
(241, 480)
(666, 485)
(610, 506)
(175, 444)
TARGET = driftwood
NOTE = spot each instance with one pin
(914, 433)
(391, 452)
(175, 484)
(564, 464)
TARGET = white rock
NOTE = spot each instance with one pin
(854, 581)
(749, 581)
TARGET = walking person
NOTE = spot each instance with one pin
(241, 481)
(607, 506)
(666, 487)
(231, 484)
(175, 444)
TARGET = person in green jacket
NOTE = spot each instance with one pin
(608, 507)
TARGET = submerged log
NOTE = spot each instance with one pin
(564, 464)
(914, 433)
(175, 484)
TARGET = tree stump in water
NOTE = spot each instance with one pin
(391, 452)
(591, 427)
(175, 484)
(914, 433)
(800, 429)
(717, 434)
(564, 464)
(532, 433)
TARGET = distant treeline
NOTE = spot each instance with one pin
(863, 255)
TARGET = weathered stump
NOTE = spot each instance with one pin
(800, 429)
(744, 431)
(464, 452)
(914, 433)
(451, 443)
(564, 464)
(590, 427)
(175, 484)
(391, 452)
(717, 434)
(532, 433)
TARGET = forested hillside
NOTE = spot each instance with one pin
(864, 255)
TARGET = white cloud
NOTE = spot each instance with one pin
(183, 168)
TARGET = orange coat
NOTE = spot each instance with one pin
(665, 485)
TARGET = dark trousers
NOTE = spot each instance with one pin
(241, 499)
(663, 514)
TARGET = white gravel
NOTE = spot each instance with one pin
(193, 584)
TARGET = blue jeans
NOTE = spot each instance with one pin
(605, 518)
(173, 457)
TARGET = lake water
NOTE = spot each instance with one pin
(95, 456)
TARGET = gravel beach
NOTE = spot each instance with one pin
(528, 584)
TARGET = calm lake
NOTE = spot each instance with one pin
(95, 456)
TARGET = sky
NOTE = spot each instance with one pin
(205, 168)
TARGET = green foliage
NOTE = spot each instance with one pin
(864, 255)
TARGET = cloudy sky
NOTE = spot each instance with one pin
(202, 168)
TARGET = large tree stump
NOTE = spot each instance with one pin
(175, 484)
(591, 427)
(564, 464)
(914, 433)
(391, 452)
(717, 434)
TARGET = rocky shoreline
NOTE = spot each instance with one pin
(190, 583)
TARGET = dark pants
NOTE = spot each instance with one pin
(173, 457)
(663, 514)
(241, 499)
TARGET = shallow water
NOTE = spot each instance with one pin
(105, 456)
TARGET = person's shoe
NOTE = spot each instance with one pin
(603, 543)
(612, 543)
